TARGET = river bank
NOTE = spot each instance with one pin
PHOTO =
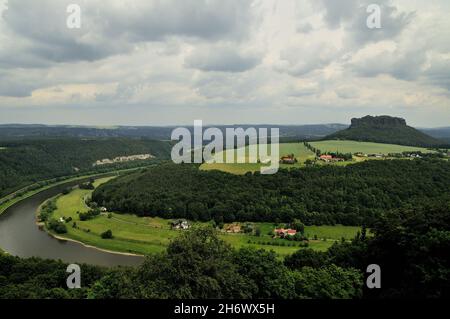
(19, 235)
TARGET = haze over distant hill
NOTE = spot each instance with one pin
(308, 132)
(15, 131)
(385, 129)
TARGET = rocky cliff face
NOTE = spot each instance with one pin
(378, 121)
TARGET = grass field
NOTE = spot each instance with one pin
(364, 147)
(145, 235)
(298, 149)
(302, 154)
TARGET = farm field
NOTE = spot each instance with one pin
(364, 147)
(298, 149)
(145, 235)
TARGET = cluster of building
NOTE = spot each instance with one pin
(121, 159)
(330, 158)
(374, 155)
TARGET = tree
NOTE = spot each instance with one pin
(298, 225)
(115, 285)
(197, 264)
(306, 258)
(57, 226)
(107, 234)
(266, 275)
(331, 282)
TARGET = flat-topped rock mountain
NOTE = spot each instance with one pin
(385, 129)
(378, 121)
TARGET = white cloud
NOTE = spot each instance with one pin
(168, 62)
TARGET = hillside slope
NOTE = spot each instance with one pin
(385, 129)
(25, 162)
(316, 195)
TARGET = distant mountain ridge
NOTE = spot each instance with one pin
(385, 129)
(21, 131)
(292, 132)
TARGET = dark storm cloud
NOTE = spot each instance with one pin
(209, 20)
(113, 27)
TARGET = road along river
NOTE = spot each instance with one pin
(20, 236)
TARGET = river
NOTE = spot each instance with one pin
(20, 236)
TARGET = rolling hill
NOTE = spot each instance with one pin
(24, 131)
(26, 162)
(384, 129)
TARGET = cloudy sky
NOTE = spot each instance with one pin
(154, 62)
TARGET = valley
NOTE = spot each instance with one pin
(146, 235)
(334, 206)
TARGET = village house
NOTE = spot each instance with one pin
(288, 159)
(233, 228)
(283, 233)
(325, 158)
(180, 224)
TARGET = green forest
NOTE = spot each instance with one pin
(320, 195)
(29, 161)
(411, 246)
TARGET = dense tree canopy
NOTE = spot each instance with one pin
(411, 246)
(196, 265)
(350, 195)
(30, 161)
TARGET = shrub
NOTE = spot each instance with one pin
(57, 226)
(89, 214)
(107, 234)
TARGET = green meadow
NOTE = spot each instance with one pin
(145, 235)
(298, 149)
(364, 147)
